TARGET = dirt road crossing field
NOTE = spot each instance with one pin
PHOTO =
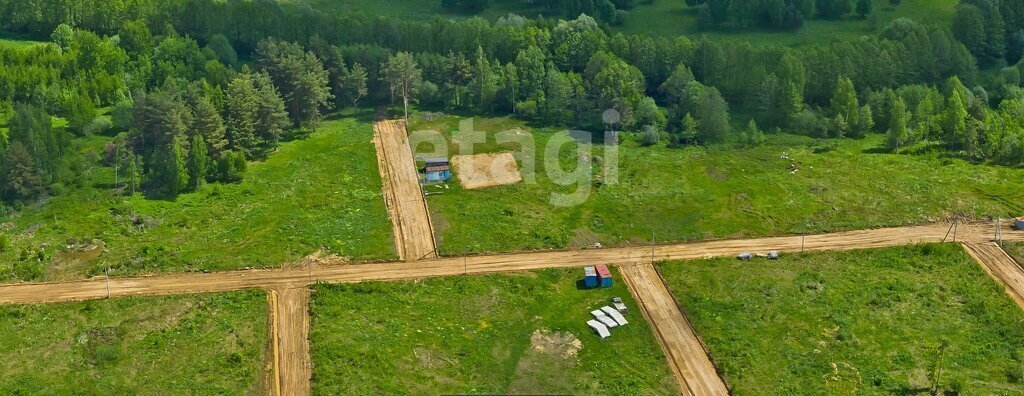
(1000, 266)
(296, 368)
(292, 307)
(414, 235)
(686, 354)
(28, 293)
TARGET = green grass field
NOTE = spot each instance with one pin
(204, 344)
(859, 322)
(519, 333)
(18, 43)
(1016, 250)
(321, 191)
(716, 192)
(670, 18)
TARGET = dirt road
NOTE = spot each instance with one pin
(686, 354)
(414, 235)
(295, 366)
(1000, 266)
(275, 278)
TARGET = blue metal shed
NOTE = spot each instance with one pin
(590, 277)
(437, 169)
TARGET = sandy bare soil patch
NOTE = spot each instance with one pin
(486, 170)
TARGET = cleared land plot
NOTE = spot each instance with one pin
(866, 320)
(486, 170)
(697, 193)
(408, 209)
(202, 344)
(515, 333)
(321, 190)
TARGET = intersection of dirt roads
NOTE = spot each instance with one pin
(687, 356)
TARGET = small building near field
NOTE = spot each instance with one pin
(437, 169)
(1018, 224)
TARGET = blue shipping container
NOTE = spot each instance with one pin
(605, 275)
(590, 277)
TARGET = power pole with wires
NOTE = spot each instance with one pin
(999, 231)
(106, 279)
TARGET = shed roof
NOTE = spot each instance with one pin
(436, 160)
(438, 168)
(603, 271)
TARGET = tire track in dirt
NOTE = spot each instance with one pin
(410, 218)
(687, 356)
(1001, 267)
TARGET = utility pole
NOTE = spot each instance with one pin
(465, 260)
(309, 271)
(955, 221)
(803, 238)
(999, 231)
(106, 279)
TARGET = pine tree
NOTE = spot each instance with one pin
(198, 162)
(791, 103)
(206, 122)
(241, 109)
(271, 117)
(22, 181)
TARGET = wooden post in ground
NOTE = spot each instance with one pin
(955, 220)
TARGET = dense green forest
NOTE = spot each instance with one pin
(193, 89)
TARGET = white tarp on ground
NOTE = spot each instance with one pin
(601, 329)
(603, 318)
(615, 315)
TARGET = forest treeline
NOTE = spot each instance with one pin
(187, 111)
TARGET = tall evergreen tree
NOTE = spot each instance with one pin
(198, 162)
(241, 109)
(271, 117)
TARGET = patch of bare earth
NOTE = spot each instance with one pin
(549, 365)
(486, 170)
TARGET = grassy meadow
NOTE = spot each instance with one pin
(320, 191)
(18, 43)
(1015, 249)
(859, 322)
(691, 193)
(669, 18)
(202, 344)
(522, 333)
